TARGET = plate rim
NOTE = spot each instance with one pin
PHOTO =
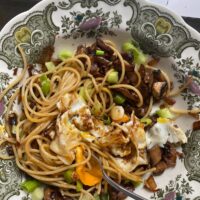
(41, 5)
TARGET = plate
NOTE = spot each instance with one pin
(158, 31)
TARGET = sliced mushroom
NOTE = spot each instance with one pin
(129, 94)
(148, 77)
(45, 56)
(12, 119)
(159, 90)
(169, 154)
(54, 194)
(196, 125)
(9, 150)
(81, 49)
(150, 184)
(160, 168)
(101, 44)
(170, 101)
(155, 155)
(102, 61)
(128, 57)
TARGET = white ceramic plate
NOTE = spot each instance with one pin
(158, 31)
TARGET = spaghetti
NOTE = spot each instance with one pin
(36, 152)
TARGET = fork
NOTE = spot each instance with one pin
(116, 185)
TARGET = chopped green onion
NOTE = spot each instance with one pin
(146, 121)
(127, 181)
(79, 186)
(68, 176)
(106, 120)
(127, 47)
(45, 87)
(139, 56)
(97, 108)
(38, 194)
(119, 99)
(50, 66)
(136, 184)
(65, 54)
(43, 78)
(112, 77)
(82, 93)
(97, 197)
(30, 185)
(165, 113)
(45, 84)
(21, 134)
(14, 129)
(100, 52)
(105, 196)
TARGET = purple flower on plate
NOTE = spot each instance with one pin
(170, 196)
(194, 87)
(1, 107)
(90, 24)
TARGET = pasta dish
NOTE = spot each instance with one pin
(95, 101)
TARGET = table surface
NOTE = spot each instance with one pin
(10, 8)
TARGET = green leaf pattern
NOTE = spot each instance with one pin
(180, 186)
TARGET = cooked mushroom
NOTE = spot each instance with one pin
(157, 75)
(170, 101)
(9, 150)
(116, 195)
(160, 168)
(128, 57)
(148, 77)
(150, 184)
(12, 119)
(100, 43)
(159, 90)
(80, 50)
(155, 155)
(129, 94)
(129, 67)
(45, 56)
(54, 194)
(102, 61)
(169, 154)
(196, 125)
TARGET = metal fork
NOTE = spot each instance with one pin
(116, 185)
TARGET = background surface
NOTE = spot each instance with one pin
(186, 8)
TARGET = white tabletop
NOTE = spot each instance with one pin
(187, 8)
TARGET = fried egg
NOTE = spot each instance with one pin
(160, 133)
